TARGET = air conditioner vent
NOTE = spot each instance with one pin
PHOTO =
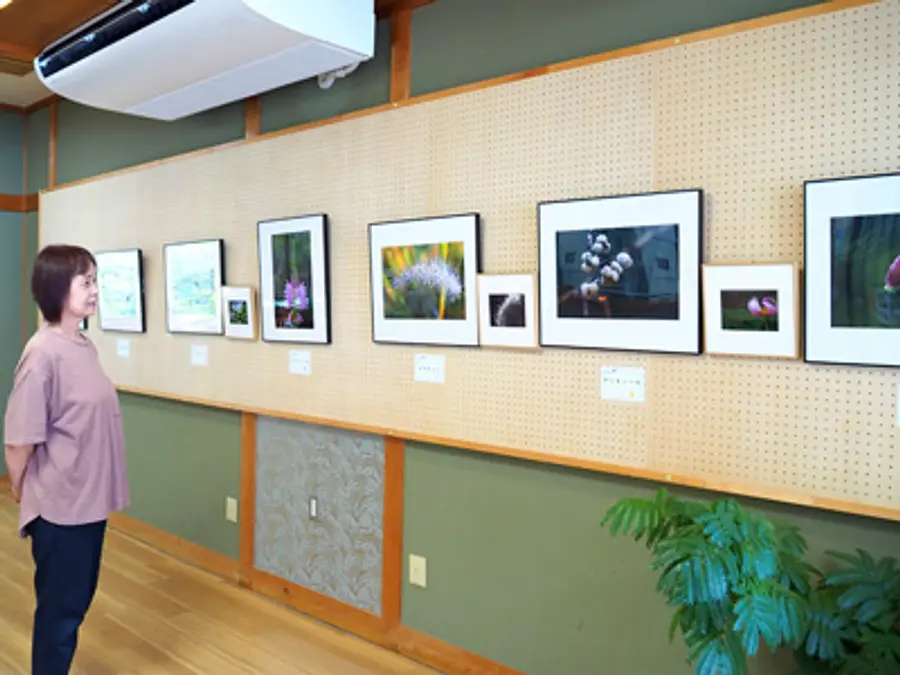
(117, 25)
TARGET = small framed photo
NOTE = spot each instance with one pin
(752, 310)
(120, 281)
(195, 274)
(423, 279)
(507, 310)
(852, 270)
(294, 281)
(622, 272)
(240, 312)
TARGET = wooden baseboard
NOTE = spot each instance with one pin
(177, 547)
(417, 646)
(445, 657)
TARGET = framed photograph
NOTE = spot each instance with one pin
(120, 281)
(622, 272)
(852, 271)
(507, 310)
(294, 283)
(240, 312)
(424, 276)
(752, 310)
(195, 274)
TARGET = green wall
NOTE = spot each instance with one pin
(519, 569)
(38, 134)
(183, 461)
(464, 41)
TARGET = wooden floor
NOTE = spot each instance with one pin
(156, 615)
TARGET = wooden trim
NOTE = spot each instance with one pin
(6, 107)
(392, 533)
(252, 117)
(52, 145)
(735, 488)
(389, 10)
(42, 103)
(19, 203)
(323, 607)
(446, 657)
(401, 48)
(657, 45)
(247, 511)
(180, 548)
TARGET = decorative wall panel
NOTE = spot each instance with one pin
(338, 554)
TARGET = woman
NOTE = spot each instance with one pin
(65, 453)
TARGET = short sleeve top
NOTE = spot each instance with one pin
(63, 403)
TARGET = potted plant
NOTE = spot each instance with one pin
(735, 578)
(854, 619)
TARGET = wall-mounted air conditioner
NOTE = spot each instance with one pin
(166, 59)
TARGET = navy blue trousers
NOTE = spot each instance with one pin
(67, 567)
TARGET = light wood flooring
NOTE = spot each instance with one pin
(156, 615)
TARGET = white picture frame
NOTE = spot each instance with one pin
(644, 292)
(412, 261)
(194, 276)
(120, 285)
(752, 310)
(507, 311)
(239, 306)
(294, 251)
(852, 248)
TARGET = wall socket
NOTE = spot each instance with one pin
(314, 508)
(231, 509)
(418, 574)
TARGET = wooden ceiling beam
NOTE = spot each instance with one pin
(385, 9)
(15, 52)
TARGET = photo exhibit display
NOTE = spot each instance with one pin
(194, 274)
(622, 272)
(120, 289)
(294, 279)
(423, 275)
(852, 270)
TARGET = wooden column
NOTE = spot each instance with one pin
(401, 45)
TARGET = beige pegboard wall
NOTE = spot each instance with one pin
(747, 118)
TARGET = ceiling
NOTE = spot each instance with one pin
(27, 26)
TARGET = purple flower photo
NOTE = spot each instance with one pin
(291, 280)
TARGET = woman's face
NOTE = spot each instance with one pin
(82, 299)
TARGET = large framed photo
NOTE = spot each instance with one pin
(622, 272)
(195, 274)
(423, 277)
(295, 303)
(752, 310)
(507, 311)
(852, 284)
(120, 281)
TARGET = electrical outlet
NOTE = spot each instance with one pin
(417, 571)
(313, 508)
(231, 510)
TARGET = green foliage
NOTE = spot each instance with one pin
(855, 619)
(736, 579)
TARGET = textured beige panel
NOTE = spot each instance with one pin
(746, 117)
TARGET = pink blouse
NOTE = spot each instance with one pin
(64, 405)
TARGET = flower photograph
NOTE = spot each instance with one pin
(294, 285)
(423, 275)
(424, 281)
(749, 310)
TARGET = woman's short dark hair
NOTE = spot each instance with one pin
(54, 268)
